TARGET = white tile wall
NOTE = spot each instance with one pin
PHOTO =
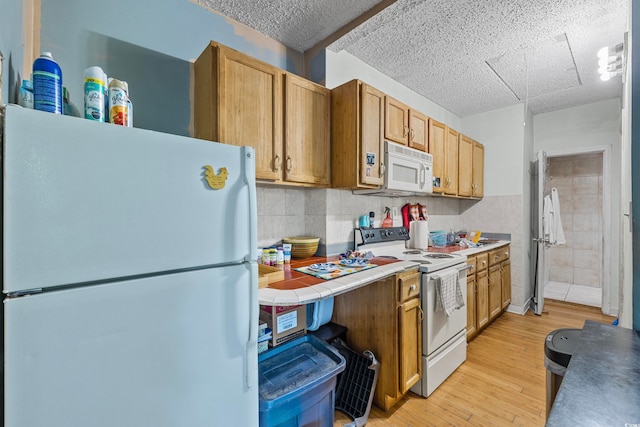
(578, 180)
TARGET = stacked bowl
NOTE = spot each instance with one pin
(303, 246)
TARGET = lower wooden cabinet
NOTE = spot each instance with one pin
(472, 317)
(505, 276)
(482, 302)
(385, 317)
(495, 291)
(488, 288)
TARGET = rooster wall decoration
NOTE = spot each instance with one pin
(215, 181)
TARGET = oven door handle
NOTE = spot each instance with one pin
(465, 267)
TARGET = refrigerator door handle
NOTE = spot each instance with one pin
(252, 344)
(250, 180)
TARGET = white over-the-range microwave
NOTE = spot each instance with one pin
(407, 172)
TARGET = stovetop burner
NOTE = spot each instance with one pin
(437, 255)
(386, 256)
(412, 252)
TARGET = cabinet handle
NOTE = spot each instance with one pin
(405, 131)
(383, 169)
(413, 135)
(289, 163)
(484, 262)
(412, 287)
(276, 163)
(506, 254)
(421, 316)
(496, 257)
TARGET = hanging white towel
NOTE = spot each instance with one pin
(552, 221)
(448, 292)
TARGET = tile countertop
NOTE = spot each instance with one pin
(470, 251)
(601, 386)
(299, 288)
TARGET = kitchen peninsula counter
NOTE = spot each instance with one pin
(300, 288)
(601, 386)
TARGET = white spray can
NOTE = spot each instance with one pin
(118, 106)
(95, 90)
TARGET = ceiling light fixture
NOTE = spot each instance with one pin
(610, 61)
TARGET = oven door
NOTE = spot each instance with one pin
(407, 174)
(438, 328)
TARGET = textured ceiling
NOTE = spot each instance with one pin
(467, 56)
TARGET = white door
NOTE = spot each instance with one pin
(539, 244)
(87, 201)
(168, 351)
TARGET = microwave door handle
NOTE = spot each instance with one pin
(422, 176)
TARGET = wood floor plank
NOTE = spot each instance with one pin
(502, 382)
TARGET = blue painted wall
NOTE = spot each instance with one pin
(152, 46)
(11, 48)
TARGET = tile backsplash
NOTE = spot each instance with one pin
(333, 214)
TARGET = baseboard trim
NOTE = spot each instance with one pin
(521, 310)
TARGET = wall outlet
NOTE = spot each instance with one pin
(395, 212)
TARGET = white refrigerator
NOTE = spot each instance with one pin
(129, 276)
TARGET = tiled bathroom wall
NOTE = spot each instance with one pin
(578, 180)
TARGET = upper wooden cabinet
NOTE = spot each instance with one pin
(240, 100)
(396, 121)
(443, 146)
(357, 136)
(405, 125)
(477, 185)
(437, 138)
(307, 136)
(451, 162)
(418, 130)
(465, 165)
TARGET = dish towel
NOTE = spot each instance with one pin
(448, 292)
(552, 221)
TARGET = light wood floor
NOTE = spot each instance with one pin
(502, 381)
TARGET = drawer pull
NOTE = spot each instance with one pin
(412, 287)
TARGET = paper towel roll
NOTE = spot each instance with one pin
(419, 234)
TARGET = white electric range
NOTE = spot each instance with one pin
(444, 340)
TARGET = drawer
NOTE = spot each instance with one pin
(471, 262)
(498, 255)
(482, 261)
(408, 285)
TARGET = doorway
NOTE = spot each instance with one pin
(575, 270)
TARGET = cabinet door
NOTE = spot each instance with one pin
(250, 109)
(372, 143)
(495, 291)
(478, 170)
(418, 130)
(306, 117)
(465, 165)
(437, 136)
(505, 274)
(451, 162)
(482, 302)
(471, 307)
(410, 343)
(396, 121)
